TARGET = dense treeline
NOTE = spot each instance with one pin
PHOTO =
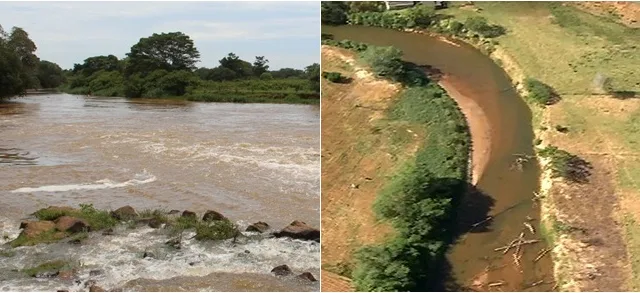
(420, 201)
(420, 16)
(20, 68)
(163, 65)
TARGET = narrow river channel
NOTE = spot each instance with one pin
(508, 192)
(251, 162)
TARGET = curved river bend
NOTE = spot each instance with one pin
(507, 192)
(251, 162)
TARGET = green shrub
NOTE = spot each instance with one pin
(384, 61)
(216, 230)
(566, 165)
(335, 77)
(479, 25)
(55, 265)
(539, 92)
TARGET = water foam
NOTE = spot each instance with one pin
(139, 179)
(120, 258)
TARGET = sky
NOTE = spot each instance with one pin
(286, 33)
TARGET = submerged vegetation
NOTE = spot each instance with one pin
(420, 200)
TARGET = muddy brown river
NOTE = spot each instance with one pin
(251, 162)
(505, 193)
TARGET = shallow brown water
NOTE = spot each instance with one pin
(506, 192)
(251, 162)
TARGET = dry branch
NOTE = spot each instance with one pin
(520, 244)
(541, 254)
(530, 227)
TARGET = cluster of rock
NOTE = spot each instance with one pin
(62, 222)
(64, 225)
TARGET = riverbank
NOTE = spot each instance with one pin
(66, 248)
(590, 225)
(408, 199)
(242, 91)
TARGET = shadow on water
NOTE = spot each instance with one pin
(472, 216)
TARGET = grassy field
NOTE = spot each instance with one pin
(563, 46)
(566, 48)
(358, 142)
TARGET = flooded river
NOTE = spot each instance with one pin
(251, 162)
(506, 192)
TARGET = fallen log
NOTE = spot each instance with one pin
(520, 244)
(530, 227)
(541, 254)
(495, 284)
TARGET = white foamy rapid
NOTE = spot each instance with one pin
(100, 184)
(119, 257)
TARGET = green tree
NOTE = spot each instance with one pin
(241, 68)
(97, 63)
(18, 63)
(168, 51)
(333, 12)
(287, 73)
(49, 74)
(266, 76)
(313, 75)
(385, 61)
(260, 66)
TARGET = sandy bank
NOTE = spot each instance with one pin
(478, 127)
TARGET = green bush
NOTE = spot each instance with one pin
(384, 61)
(566, 165)
(539, 92)
(479, 25)
(335, 77)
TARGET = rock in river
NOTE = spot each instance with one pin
(124, 213)
(299, 230)
(260, 227)
(71, 224)
(307, 276)
(282, 270)
(213, 216)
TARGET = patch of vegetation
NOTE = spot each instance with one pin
(566, 165)
(55, 265)
(540, 93)
(158, 215)
(420, 200)
(183, 223)
(561, 129)
(480, 25)
(344, 269)
(335, 77)
(44, 237)
(145, 73)
(20, 68)
(537, 141)
(7, 253)
(216, 230)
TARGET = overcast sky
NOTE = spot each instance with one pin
(287, 33)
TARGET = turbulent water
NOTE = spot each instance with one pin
(251, 162)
